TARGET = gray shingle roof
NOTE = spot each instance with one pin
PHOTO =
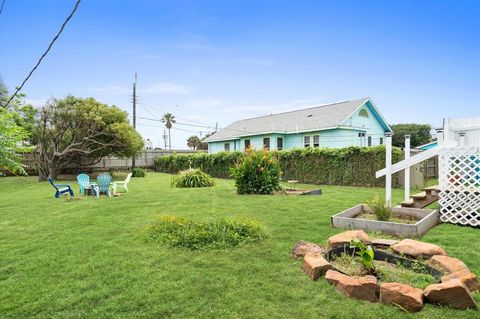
(310, 119)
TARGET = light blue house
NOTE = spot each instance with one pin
(350, 123)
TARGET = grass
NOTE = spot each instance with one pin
(193, 234)
(89, 259)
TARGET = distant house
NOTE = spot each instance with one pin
(343, 124)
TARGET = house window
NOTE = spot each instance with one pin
(266, 143)
(361, 134)
(279, 143)
(381, 140)
(227, 147)
(316, 141)
(363, 113)
(247, 144)
(306, 141)
(369, 141)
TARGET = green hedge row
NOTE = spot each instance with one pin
(353, 166)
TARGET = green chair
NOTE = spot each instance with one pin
(103, 184)
(84, 182)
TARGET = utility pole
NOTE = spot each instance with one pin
(165, 138)
(134, 111)
(216, 127)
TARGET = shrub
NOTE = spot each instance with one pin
(178, 232)
(192, 177)
(379, 208)
(257, 173)
(352, 166)
(138, 172)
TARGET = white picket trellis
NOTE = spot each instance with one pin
(459, 171)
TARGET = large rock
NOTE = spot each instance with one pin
(303, 247)
(447, 264)
(383, 243)
(361, 288)
(346, 237)
(406, 296)
(467, 277)
(452, 293)
(417, 248)
(314, 265)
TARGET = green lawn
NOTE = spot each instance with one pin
(88, 259)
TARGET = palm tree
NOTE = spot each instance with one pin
(168, 119)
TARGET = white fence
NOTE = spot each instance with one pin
(146, 160)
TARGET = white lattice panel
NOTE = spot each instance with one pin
(459, 172)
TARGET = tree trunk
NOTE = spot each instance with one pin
(169, 140)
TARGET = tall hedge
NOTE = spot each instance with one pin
(353, 166)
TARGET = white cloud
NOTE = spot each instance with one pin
(264, 62)
(37, 102)
(165, 87)
(155, 88)
(112, 90)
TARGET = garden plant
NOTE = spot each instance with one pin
(257, 173)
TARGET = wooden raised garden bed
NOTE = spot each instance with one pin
(405, 222)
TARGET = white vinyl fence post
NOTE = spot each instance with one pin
(407, 170)
(388, 167)
(461, 139)
(439, 137)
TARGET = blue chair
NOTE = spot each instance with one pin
(61, 188)
(84, 182)
(103, 184)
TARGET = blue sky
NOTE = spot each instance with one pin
(219, 61)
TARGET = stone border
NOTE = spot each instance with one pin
(427, 219)
(454, 290)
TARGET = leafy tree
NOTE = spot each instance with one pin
(169, 119)
(77, 130)
(23, 114)
(3, 93)
(196, 143)
(12, 137)
(419, 134)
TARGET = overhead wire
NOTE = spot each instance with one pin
(44, 53)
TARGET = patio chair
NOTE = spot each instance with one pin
(61, 188)
(84, 182)
(103, 184)
(122, 184)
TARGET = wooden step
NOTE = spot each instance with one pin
(408, 203)
(419, 196)
(432, 190)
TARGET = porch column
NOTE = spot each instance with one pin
(407, 170)
(388, 167)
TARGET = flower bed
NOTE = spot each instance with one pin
(448, 282)
(401, 225)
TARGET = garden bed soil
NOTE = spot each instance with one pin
(394, 218)
(388, 267)
(405, 222)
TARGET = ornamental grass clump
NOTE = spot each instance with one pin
(380, 209)
(191, 178)
(258, 172)
(180, 232)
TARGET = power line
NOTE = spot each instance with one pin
(147, 108)
(177, 123)
(45, 53)
(1, 8)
